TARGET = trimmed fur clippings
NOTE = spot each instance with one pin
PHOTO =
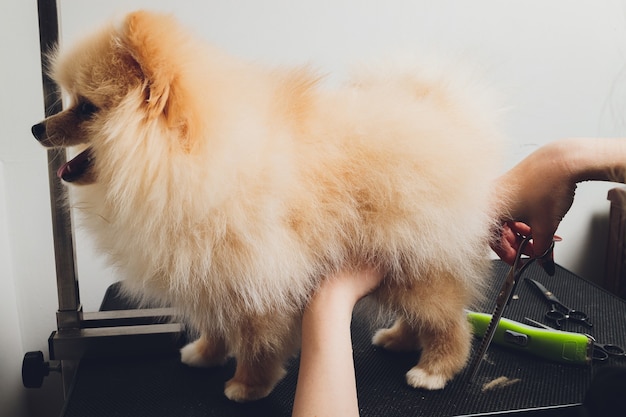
(500, 382)
(230, 190)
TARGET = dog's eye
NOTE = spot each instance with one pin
(86, 109)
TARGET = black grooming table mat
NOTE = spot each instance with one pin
(162, 386)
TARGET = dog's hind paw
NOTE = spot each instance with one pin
(239, 392)
(418, 378)
(250, 384)
(396, 339)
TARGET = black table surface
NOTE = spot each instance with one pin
(161, 386)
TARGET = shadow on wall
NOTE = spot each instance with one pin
(46, 401)
(591, 265)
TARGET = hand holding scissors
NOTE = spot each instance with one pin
(559, 312)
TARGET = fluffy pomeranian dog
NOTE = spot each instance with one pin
(230, 191)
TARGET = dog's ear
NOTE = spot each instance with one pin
(157, 43)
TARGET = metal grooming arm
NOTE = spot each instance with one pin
(80, 334)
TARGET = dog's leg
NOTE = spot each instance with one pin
(445, 349)
(399, 338)
(205, 352)
(262, 345)
(432, 318)
(255, 377)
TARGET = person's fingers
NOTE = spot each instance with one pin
(508, 242)
(512, 234)
(503, 244)
(505, 252)
(520, 231)
(519, 228)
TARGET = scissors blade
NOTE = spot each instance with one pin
(549, 296)
(501, 302)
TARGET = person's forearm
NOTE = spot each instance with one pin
(326, 383)
(596, 159)
(550, 174)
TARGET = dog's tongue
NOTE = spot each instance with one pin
(75, 168)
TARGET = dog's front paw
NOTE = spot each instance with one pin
(418, 378)
(203, 353)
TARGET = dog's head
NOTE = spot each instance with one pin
(131, 75)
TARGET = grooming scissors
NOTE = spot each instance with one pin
(508, 287)
(603, 351)
(559, 312)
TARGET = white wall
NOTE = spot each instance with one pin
(559, 66)
(11, 352)
(28, 295)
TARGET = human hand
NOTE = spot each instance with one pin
(510, 239)
(346, 287)
(326, 381)
(540, 191)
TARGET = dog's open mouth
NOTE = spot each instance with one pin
(77, 167)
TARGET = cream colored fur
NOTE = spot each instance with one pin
(230, 190)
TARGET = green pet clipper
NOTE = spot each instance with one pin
(551, 344)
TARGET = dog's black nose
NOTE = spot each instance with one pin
(39, 131)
